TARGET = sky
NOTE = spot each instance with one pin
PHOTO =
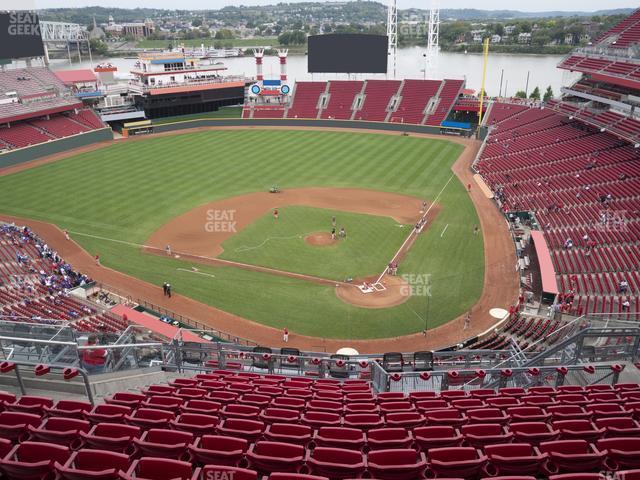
(530, 6)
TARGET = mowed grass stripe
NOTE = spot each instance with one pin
(128, 190)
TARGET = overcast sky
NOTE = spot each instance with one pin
(529, 5)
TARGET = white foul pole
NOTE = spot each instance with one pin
(433, 40)
(392, 34)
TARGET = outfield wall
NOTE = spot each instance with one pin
(292, 122)
(27, 154)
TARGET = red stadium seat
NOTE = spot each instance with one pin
(450, 416)
(622, 453)
(391, 397)
(150, 418)
(222, 396)
(362, 407)
(107, 413)
(111, 436)
(397, 464)
(600, 410)
(503, 402)
(195, 423)
(266, 456)
(158, 469)
(190, 393)
(386, 438)
(29, 404)
(90, 464)
(466, 404)
(289, 433)
(479, 435)
(5, 446)
(453, 394)
(428, 405)
(436, 436)
(158, 390)
(618, 426)
(572, 399)
(32, 460)
(571, 456)
(183, 382)
(404, 420)
(218, 450)
(541, 390)
(340, 437)
(202, 407)
(157, 442)
(59, 430)
(513, 459)
(68, 408)
(250, 430)
(487, 415)
(422, 395)
(128, 399)
(163, 402)
(335, 463)
(321, 419)
(279, 415)
(512, 392)
(577, 429)
(570, 389)
(235, 410)
(542, 401)
(532, 432)
(14, 425)
(455, 462)
(298, 404)
(578, 476)
(484, 393)
(568, 412)
(400, 406)
(527, 414)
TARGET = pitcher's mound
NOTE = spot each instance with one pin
(396, 292)
(319, 239)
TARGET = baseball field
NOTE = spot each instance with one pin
(206, 195)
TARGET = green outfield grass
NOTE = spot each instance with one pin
(127, 190)
(371, 242)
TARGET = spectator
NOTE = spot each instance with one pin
(94, 359)
(623, 287)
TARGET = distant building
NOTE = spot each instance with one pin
(136, 29)
(509, 29)
(496, 38)
(524, 38)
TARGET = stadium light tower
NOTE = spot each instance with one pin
(392, 33)
(433, 40)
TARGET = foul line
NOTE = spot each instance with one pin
(435, 200)
(196, 272)
(445, 229)
(220, 261)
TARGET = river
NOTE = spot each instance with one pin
(410, 64)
